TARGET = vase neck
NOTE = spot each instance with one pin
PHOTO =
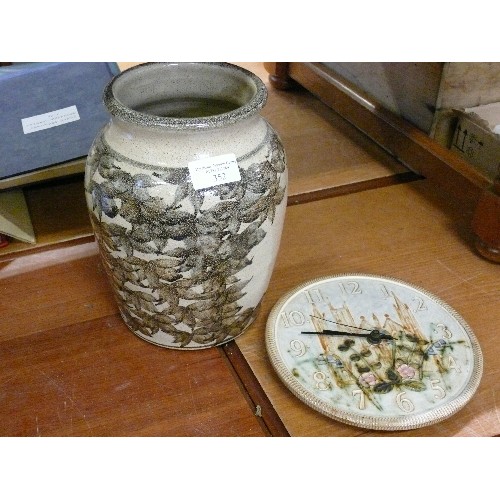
(185, 96)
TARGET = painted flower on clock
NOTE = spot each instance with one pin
(406, 371)
(367, 379)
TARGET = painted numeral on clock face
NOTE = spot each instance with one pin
(361, 394)
(293, 318)
(444, 331)
(441, 393)
(420, 305)
(298, 347)
(453, 365)
(313, 296)
(321, 381)
(350, 288)
(404, 403)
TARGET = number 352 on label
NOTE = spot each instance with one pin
(214, 171)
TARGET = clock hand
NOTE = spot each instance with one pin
(374, 337)
(341, 324)
(338, 333)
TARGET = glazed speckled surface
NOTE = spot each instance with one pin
(189, 267)
(224, 80)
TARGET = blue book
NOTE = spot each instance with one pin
(50, 113)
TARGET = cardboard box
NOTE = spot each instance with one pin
(51, 112)
(477, 137)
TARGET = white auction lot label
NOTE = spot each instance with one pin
(214, 171)
(50, 119)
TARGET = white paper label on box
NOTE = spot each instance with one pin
(50, 119)
(214, 171)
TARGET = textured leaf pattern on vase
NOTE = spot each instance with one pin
(174, 263)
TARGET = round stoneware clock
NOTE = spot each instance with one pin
(373, 351)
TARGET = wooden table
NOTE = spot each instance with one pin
(70, 367)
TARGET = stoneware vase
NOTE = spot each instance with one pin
(187, 188)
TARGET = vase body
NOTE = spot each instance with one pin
(186, 188)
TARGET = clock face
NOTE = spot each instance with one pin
(373, 352)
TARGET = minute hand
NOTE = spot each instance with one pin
(374, 337)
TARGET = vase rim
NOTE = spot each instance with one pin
(127, 113)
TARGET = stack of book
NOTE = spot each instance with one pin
(51, 113)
